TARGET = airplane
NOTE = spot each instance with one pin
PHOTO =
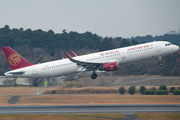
(109, 60)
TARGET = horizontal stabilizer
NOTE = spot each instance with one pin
(82, 69)
(16, 73)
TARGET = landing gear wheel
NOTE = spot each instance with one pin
(94, 76)
(161, 63)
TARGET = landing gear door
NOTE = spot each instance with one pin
(158, 48)
(34, 71)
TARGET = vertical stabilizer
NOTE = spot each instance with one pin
(15, 60)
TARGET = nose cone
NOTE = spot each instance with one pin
(176, 48)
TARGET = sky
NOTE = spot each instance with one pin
(111, 18)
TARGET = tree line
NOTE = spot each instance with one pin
(41, 46)
(64, 41)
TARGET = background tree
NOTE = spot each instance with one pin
(153, 89)
(134, 42)
(124, 43)
(162, 87)
(132, 90)
(121, 90)
(148, 92)
(172, 89)
(106, 44)
(142, 89)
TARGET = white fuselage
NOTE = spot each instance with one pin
(120, 55)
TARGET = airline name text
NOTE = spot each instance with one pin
(139, 47)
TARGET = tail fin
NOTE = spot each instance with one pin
(15, 60)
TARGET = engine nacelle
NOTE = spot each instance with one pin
(111, 66)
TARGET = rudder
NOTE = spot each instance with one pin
(15, 60)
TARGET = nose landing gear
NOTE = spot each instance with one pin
(94, 76)
(160, 62)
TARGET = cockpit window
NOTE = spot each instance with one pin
(168, 44)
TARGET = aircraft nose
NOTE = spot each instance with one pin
(177, 48)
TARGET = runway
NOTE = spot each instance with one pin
(125, 109)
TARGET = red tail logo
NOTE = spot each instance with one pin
(15, 60)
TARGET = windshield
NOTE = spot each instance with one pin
(168, 44)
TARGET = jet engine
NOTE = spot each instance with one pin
(110, 66)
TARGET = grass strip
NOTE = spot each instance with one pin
(98, 99)
(107, 115)
(158, 116)
(19, 90)
(92, 116)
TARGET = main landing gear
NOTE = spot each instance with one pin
(94, 76)
(160, 62)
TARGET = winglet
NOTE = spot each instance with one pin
(68, 56)
(73, 53)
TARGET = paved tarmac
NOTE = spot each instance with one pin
(13, 99)
(54, 109)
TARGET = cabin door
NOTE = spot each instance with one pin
(158, 48)
(35, 71)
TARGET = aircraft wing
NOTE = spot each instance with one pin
(89, 66)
